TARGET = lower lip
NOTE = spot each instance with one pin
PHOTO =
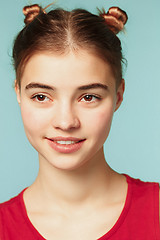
(65, 148)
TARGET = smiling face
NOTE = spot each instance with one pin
(67, 104)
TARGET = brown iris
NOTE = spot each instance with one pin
(88, 98)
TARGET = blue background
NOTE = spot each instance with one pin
(133, 146)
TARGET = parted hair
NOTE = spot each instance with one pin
(60, 31)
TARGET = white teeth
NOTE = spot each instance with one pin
(66, 142)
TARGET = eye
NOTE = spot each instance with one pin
(90, 98)
(40, 98)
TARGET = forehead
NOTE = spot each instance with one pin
(74, 68)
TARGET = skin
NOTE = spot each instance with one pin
(64, 110)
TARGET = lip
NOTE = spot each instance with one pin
(65, 148)
(66, 139)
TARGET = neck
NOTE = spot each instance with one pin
(73, 187)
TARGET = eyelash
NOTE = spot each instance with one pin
(92, 96)
(46, 99)
(35, 98)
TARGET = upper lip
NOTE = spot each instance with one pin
(66, 139)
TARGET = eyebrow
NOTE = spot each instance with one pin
(84, 87)
(38, 85)
(93, 86)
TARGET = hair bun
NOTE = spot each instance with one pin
(115, 18)
(31, 12)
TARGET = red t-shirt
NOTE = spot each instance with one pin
(139, 219)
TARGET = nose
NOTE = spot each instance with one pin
(65, 117)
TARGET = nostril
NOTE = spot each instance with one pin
(65, 117)
(66, 124)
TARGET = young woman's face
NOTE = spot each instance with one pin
(67, 104)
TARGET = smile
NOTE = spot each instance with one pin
(65, 145)
(66, 142)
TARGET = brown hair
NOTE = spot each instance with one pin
(60, 31)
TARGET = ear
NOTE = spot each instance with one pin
(17, 90)
(120, 92)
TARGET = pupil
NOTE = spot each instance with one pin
(41, 97)
(88, 97)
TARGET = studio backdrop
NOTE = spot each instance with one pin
(133, 146)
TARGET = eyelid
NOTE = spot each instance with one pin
(49, 98)
(34, 96)
(98, 97)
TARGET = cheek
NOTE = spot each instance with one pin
(99, 121)
(103, 123)
(33, 119)
(104, 118)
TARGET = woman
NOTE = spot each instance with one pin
(69, 84)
